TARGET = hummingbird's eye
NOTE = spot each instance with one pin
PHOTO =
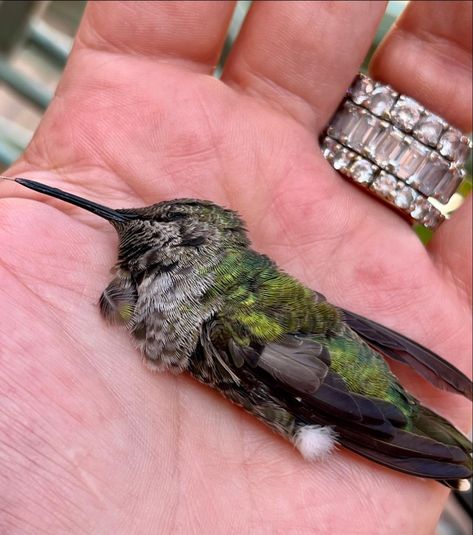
(169, 217)
(175, 216)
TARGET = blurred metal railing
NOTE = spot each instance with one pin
(21, 25)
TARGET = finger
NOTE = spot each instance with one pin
(301, 56)
(184, 32)
(451, 248)
(428, 56)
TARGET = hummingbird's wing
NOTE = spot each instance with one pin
(118, 300)
(432, 367)
(301, 364)
(299, 367)
(412, 440)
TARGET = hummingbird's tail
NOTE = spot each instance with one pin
(433, 426)
(432, 449)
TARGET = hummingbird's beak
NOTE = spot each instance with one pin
(102, 211)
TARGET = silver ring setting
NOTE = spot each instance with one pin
(400, 151)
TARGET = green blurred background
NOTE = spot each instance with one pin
(35, 40)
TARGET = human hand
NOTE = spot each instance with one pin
(92, 442)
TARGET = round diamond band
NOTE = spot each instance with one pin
(393, 146)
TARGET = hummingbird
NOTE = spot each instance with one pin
(197, 298)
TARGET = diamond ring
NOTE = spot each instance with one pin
(400, 151)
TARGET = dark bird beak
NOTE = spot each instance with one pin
(102, 211)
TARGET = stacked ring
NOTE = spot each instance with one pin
(393, 146)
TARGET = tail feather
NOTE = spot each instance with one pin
(428, 468)
(432, 449)
(410, 445)
(432, 425)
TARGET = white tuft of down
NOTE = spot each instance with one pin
(464, 485)
(315, 441)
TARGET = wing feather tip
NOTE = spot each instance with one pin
(424, 361)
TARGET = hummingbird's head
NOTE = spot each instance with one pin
(182, 231)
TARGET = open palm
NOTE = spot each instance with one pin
(92, 442)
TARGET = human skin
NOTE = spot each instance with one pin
(93, 442)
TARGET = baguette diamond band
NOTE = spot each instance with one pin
(393, 146)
